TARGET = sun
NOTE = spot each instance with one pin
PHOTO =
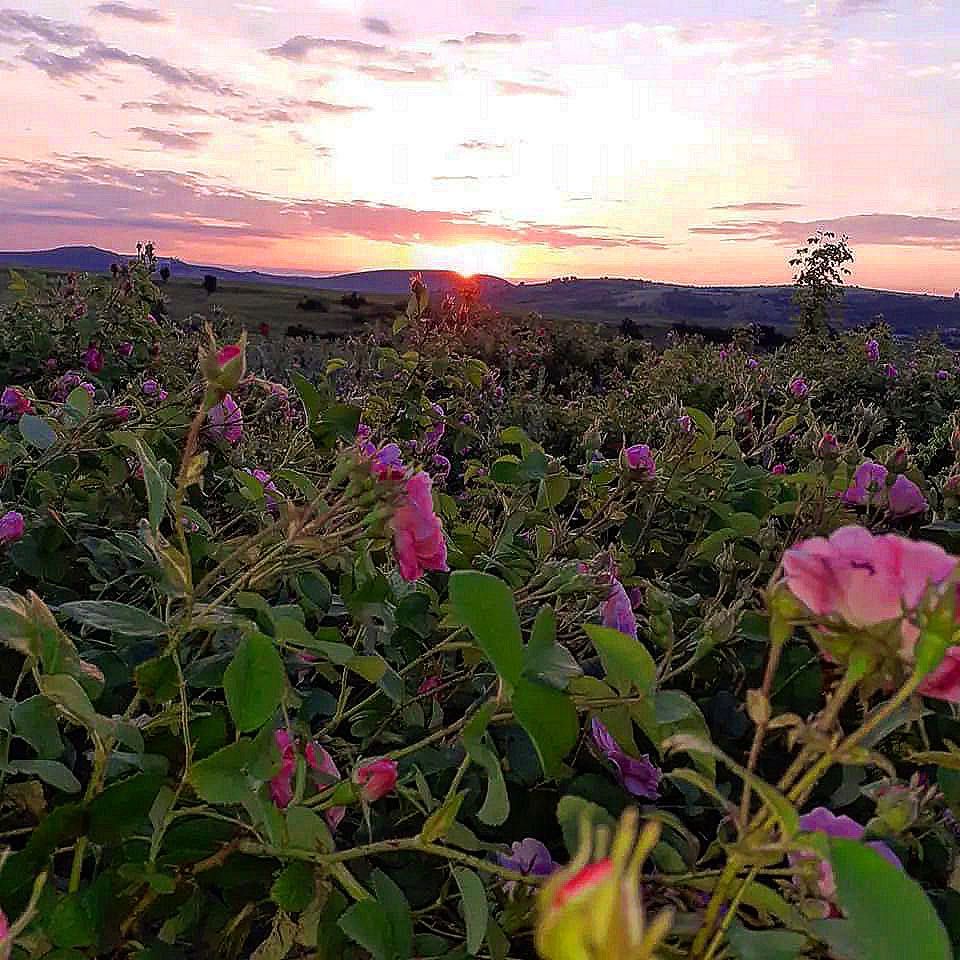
(467, 259)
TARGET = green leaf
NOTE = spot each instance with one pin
(367, 923)
(496, 803)
(889, 912)
(310, 397)
(35, 720)
(765, 944)
(436, 826)
(117, 617)
(485, 605)
(573, 813)
(123, 807)
(550, 719)
(49, 771)
(627, 661)
(222, 777)
(154, 481)
(80, 401)
(72, 923)
(294, 887)
(395, 905)
(476, 911)
(307, 830)
(37, 432)
(254, 682)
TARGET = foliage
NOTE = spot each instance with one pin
(229, 726)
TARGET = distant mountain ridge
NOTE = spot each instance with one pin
(96, 260)
(603, 300)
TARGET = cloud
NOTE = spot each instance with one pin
(99, 198)
(419, 74)
(18, 26)
(511, 88)
(167, 108)
(868, 229)
(378, 25)
(756, 205)
(847, 8)
(301, 46)
(93, 56)
(173, 139)
(482, 145)
(488, 39)
(126, 11)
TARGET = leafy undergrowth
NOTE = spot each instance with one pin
(481, 638)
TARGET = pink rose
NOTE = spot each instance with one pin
(15, 403)
(778, 469)
(943, 683)
(375, 779)
(905, 498)
(93, 359)
(618, 611)
(417, 532)
(320, 762)
(592, 875)
(12, 527)
(639, 461)
(281, 786)
(125, 349)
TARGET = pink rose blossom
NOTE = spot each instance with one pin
(375, 779)
(869, 485)
(417, 532)
(618, 611)
(225, 421)
(778, 469)
(15, 403)
(905, 498)
(125, 349)
(93, 359)
(281, 786)
(799, 388)
(638, 459)
(873, 350)
(12, 527)
(320, 762)
(122, 414)
(150, 388)
(639, 777)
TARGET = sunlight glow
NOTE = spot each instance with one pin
(467, 259)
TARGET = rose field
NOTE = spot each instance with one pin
(473, 636)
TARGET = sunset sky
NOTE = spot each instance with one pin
(687, 140)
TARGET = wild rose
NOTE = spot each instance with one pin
(375, 779)
(799, 388)
(93, 359)
(223, 367)
(125, 349)
(14, 403)
(417, 532)
(869, 485)
(724, 354)
(281, 786)
(637, 776)
(89, 388)
(942, 374)
(528, 857)
(385, 463)
(436, 430)
(269, 487)
(122, 414)
(51, 363)
(150, 388)
(822, 820)
(12, 527)
(441, 466)
(752, 363)
(778, 469)
(225, 421)
(905, 498)
(638, 460)
(325, 773)
(428, 685)
(618, 611)
(828, 448)
(943, 682)
(861, 579)
(890, 372)
(685, 423)
(873, 350)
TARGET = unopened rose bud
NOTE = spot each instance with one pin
(897, 461)
(828, 448)
(375, 779)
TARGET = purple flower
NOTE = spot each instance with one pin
(639, 461)
(822, 820)
(799, 388)
(724, 354)
(890, 371)
(529, 857)
(225, 420)
(778, 469)
(639, 777)
(89, 387)
(436, 430)
(15, 403)
(125, 349)
(905, 498)
(873, 350)
(618, 611)
(268, 485)
(685, 423)
(93, 359)
(869, 485)
(441, 467)
(150, 388)
(943, 374)
(385, 463)
(122, 413)
(363, 433)
(752, 363)
(11, 527)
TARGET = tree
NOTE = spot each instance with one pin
(818, 288)
(210, 283)
(164, 274)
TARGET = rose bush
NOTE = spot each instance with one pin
(385, 648)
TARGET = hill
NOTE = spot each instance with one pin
(605, 300)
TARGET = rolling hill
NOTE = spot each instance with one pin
(605, 300)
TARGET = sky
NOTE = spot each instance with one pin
(696, 142)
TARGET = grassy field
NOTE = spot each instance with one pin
(254, 304)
